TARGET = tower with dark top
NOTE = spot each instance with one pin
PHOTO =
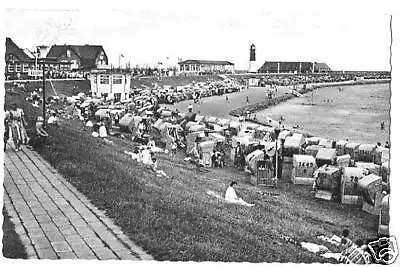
(252, 62)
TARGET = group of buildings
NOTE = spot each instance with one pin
(63, 61)
(23, 64)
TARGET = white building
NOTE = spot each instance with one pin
(206, 66)
(112, 85)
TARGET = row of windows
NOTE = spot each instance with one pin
(18, 68)
(192, 67)
(24, 68)
(105, 79)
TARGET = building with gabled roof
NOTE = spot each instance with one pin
(19, 65)
(79, 57)
(293, 67)
(194, 66)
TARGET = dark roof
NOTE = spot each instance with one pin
(321, 66)
(88, 52)
(273, 64)
(13, 49)
(206, 62)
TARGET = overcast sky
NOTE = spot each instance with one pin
(147, 35)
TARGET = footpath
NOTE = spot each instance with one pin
(53, 219)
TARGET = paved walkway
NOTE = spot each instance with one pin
(54, 220)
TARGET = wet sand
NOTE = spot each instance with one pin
(354, 113)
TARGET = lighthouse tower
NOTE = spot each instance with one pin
(252, 62)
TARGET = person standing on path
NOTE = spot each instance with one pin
(22, 124)
(6, 128)
(247, 99)
(15, 118)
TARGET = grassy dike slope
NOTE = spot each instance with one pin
(174, 219)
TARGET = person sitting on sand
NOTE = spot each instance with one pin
(231, 196)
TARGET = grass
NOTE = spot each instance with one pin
(65, 87)
(174, 219)
(12, 245)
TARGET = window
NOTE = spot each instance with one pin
(10, 68)
(74, 64)
(104, 79)
(18, 68)
(25, 68)
(117, 79)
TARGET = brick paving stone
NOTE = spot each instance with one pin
(73, 215)
(68, 230)
(94, 242)
(38, 211)
(126, 255)
(30, 223)
(88, 257)
(79, 222)
(51, 210)
(91, 237)
(66, 255)
(47, 254)
(49, 227)
(41, 243)
(35, 232)
(80, 248)
(54, 236)
(61, 246)
(85, 231)
(107, 235)
(98, 227)
(75, 240)
(104, 253)
(115, 244)
(43, 218)
(129, 257)
(60, 221)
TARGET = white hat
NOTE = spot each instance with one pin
(190, 107)
(40, 118)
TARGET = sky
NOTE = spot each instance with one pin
(152, 34)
